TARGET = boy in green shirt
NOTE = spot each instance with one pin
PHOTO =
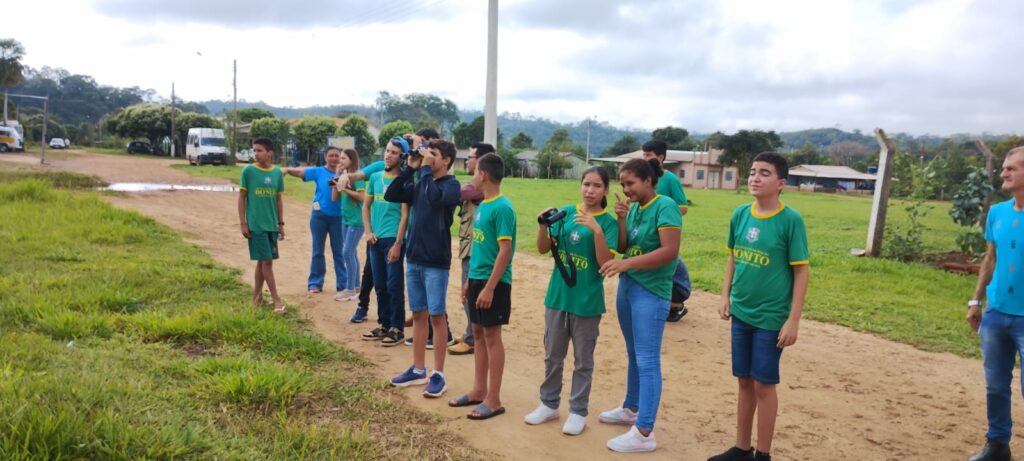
(259, 213)
(489, 288)
(763, 293)
(669, 186)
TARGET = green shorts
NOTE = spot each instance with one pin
(262, 246)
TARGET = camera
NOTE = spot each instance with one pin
(333, 181)
(551, 216)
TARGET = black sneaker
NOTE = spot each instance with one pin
(762, 456)
(994, 451)
(734, 454)
(393, 337)
(375, 334)
(675, 315)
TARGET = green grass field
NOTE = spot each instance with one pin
(120, 341)
(911, 303)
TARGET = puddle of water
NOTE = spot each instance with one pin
(151, 187)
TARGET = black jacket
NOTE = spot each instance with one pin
(431, 213)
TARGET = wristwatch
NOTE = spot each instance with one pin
(973, 303)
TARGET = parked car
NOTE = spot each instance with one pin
(140, 147)
(58, 143)
(245, 155)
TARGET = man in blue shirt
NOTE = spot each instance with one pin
(433, 198)
(1001, 280)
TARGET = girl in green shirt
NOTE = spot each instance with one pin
(584, 238)
(649, 241)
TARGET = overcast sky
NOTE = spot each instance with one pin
(928, 66)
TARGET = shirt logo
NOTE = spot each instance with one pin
(574, 237)
(752, 234)
(633, 233)
(267, 180)
(477, 217)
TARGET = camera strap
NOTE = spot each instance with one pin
(568, 275)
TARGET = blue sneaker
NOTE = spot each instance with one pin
(410, 378)
(359, 316)
(436, 387)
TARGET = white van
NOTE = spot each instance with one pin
(10, 139)
(205, 145)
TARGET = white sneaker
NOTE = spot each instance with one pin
(632, 442)
(344, 295)
(574, 425)
(620, 415)
(541, 414)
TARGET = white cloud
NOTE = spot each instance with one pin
(923, 66)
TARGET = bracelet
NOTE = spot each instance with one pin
(280, 223)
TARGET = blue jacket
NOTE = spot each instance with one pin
(432, 211)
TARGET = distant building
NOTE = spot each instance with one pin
(530, 169)
(830, 178)
(698, 169)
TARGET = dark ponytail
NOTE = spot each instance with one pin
(644, 169)
(603, 174)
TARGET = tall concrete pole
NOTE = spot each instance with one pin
(880, 203)
(230, 160)
(491, 103)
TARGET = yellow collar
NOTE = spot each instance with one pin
(650, 202)
(496, 197)
(753, 211)
(579, 210)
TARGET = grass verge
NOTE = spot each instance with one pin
(120, 341)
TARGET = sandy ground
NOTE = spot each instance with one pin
(845, 395)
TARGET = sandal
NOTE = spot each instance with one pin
(483, 412)
(281, 310)
(463, 401)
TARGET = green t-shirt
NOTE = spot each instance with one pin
(763, 248)
(643, 224)
(495, 220)
(261, 188)
(669, 186)
(351, 210)
(586, 299)
(384, 215)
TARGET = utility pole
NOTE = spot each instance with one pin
(491, 99)
(234, 113)
(42, 143)
(173, 132)
(588, 141)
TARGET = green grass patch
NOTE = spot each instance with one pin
(120, 341)
(911, 303)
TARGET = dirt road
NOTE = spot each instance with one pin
(845, 395)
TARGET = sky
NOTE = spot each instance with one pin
(916, 66)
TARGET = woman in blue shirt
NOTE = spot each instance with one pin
(324, 220)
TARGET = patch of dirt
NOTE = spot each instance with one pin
(954, 261)
(843, 395)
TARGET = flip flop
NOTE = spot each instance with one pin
(463, 401)
(281, 310)
(485, 413)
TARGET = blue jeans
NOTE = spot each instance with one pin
(349, 257)
(681, 287)
(642, 320)
(428, 287)
(321, 225)
(1002, 339)
(389, 283)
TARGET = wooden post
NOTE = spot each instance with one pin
(880, 203)
(987, 203)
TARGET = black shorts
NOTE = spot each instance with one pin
(501, 304)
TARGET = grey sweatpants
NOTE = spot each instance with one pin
(559, 328)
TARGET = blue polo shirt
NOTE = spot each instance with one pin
(1005, 229)
(322, 197)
